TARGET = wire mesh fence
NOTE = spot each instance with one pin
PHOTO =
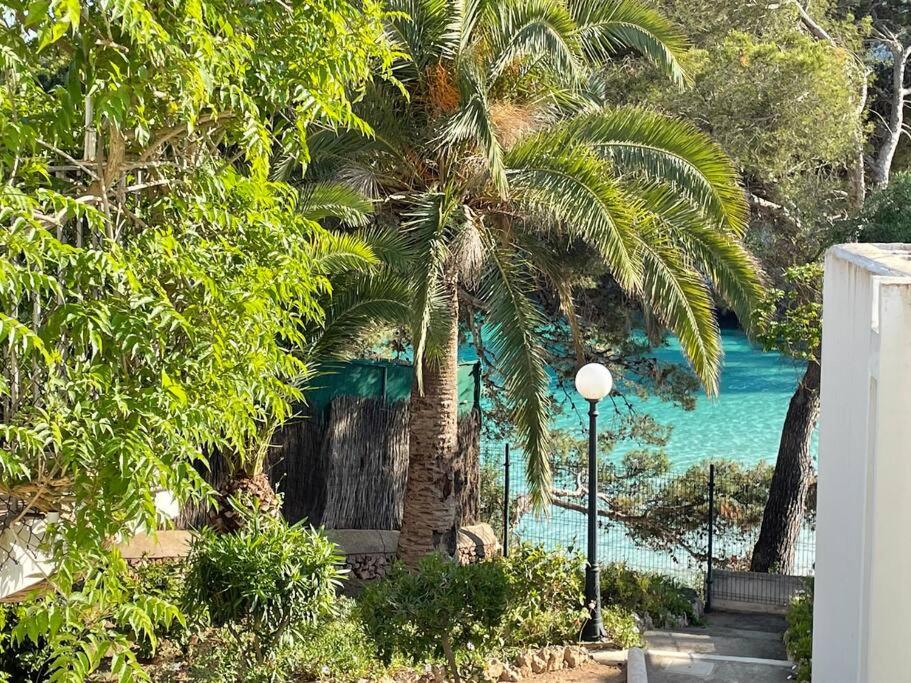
(650, 522)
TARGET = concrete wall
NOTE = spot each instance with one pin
(863, 554)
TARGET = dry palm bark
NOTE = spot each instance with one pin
(429, 520)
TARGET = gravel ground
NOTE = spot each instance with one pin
(591, 672)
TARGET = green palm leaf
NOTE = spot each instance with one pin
(428, 225)
(656, 147)
(536, 30)
(473, 122)
(606, 27)
(334, 200)
(734, 273)
(564, 184)
(513, 321)
(359, 304)
(680, 299)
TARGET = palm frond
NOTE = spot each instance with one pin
(334, 200)
(558, 274)
(541, 30)
(335, 253)
(358, 305)
(606, 27)
(419, 26)
(472, 122)
(734, 273)
(656, 147)
(678, 296)
(513, 321)
(466, 15)
(428, 225)
(566, 185)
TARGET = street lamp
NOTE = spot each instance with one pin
(593, 382)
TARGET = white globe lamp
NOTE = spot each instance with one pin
(594, 381)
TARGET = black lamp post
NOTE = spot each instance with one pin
(594, 382)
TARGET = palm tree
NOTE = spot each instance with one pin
(492, 153)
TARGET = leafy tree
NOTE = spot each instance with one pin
(885, 216)
(789, 321)
(153, 280)
(495, 156)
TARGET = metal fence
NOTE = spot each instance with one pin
(687, 525)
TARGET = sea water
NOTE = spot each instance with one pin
(743, 423)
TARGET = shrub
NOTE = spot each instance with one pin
(546, 604)
(165, 581)
(620, 626)
(265, 583)
(338, 649)
(798, 637)
(661, 598)
(20, 660)
(440, 609)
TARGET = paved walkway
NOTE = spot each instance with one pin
(728, 648)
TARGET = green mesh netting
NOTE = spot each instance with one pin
(383, 379)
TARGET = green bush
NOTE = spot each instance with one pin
(546, 604)
(660, 597)
(163, 580)
(266, 583)
(798, 637)
(885, 216)
(440, 610)
(20, 660)
(530, 599)
(339, 649)
(620, 626)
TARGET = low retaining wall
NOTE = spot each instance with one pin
(754, 592)
(369, 553)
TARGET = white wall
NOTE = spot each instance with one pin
(862, 614)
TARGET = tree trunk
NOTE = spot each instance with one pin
(247, 493)
(429, 519)
(784, 510)
(882, 164)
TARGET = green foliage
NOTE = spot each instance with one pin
(812, 87)
(103, 615)
(165, 580)
(886, 216)
(660, 597)
(530, 599)
(546, 604)
(620, 627)
(268, 581)
(436, 611)
(784, 103)
(153, 280)
(20, 661)
(334, 649)
(789, 320)
(798, 637)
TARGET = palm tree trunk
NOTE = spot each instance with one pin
(253, 493)
(429, 514)
(784, 510)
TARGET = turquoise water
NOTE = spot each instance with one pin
(742, 423)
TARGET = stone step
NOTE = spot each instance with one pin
(675, 667)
